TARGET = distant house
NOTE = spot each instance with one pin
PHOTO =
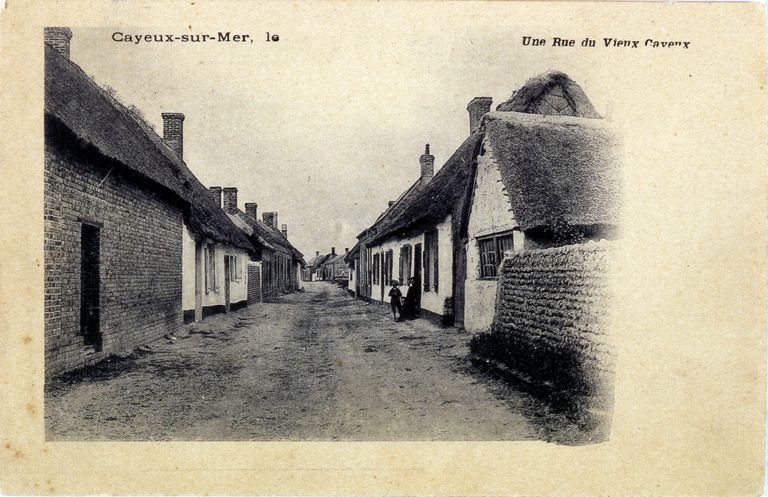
(281, 262)
(450, 230)
(120, 207)
(314, 268)
(333, 267)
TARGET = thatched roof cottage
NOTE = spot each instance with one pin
(122, 213)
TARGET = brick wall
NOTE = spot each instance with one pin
(551, 310)
(140, 258)
(254, 284)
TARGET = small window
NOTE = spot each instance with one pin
(376, 264)
(210, 268)
(492, 252)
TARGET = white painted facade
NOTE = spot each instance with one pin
(430, 300)
(352, 282)
(490, 214)
(194, 265)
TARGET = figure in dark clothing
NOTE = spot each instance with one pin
(394, 300)
(412, 299)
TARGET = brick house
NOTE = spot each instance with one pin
(117, 203)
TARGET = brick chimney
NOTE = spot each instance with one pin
(333, 251)
(58, 38)
(390, 203)
(346, 250)
(284, 230)
(252, 209)
(427, 162)
(478, 107)
(173, 132)
(270, 219)
(216, 194)
(230, 199)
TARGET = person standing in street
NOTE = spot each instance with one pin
(395, 296)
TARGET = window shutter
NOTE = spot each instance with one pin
(436, 262)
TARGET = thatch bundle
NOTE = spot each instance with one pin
(550, 93)
(558, 171)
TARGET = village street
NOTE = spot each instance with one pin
(318, 365)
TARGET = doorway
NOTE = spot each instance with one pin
(227, 278)
(90, 285)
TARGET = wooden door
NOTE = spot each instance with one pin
(90, 285)
(227, 264)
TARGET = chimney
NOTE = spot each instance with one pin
(173, 132)
(58, 38)
(427, 162)
(390, 203)
(230, 199)
(252, 209)
(346, 250)
(478, 107)
(216, 193)
(270, 219)
(284, 229)
(317, 253)
(333, 251)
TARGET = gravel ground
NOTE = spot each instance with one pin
(318, 365)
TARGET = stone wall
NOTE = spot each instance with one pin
(140, 235)
(551, 312)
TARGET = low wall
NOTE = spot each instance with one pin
(550, 324)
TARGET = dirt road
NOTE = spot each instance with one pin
(318, 365)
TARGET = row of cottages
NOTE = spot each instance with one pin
(281, 264)
(327, 267)
(541, 171)
(133, 242)
(313, 269)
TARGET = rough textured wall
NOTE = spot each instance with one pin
(140, 259)
(552, 310)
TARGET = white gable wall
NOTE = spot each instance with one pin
(490, 213)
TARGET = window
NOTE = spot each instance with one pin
(405, 264)
(210, 268)
(430, 261)
(376, 264)
(388, 266)
(235, 268)
(492, 252)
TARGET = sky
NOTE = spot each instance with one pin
(326, 125)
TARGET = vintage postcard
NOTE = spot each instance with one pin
(383, 248)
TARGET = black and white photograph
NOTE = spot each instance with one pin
(383, 248)
(212, 273)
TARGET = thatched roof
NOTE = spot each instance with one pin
(73, 100)
(269, 236)
(552, 93)
(445, 194)
(556, 169)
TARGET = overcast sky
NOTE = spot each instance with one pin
(324, 133)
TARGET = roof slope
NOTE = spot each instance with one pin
(78, 103)
(552, 93)
(443, 195)
(268, 236)
(557, 169)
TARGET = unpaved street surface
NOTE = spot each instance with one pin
(318, 365)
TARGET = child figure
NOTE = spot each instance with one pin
(394, 300)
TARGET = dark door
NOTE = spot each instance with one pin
(90, 246)
(227, 263)
(417, 270)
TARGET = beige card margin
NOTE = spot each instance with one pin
(689, 323)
